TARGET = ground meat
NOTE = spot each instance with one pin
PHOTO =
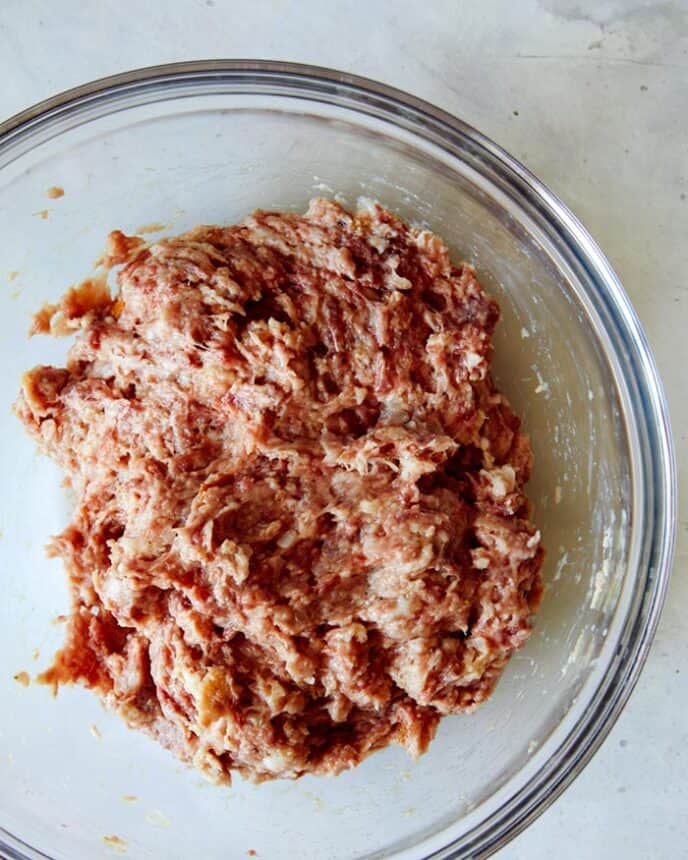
(300, 530)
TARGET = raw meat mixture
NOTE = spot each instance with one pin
(300, 530)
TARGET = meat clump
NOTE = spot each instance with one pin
(300, 531)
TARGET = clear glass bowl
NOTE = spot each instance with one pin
(208, 142)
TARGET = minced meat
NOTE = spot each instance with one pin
(300, 531)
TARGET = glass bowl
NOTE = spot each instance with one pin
(209, 142)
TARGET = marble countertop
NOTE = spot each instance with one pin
(593, 97)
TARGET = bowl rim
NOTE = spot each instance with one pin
(594, 724)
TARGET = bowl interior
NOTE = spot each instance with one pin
(213, 159)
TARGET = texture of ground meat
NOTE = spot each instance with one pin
(300, 530)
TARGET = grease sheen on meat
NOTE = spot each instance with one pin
(300, 530)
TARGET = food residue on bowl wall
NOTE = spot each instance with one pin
(153, 227)
(115, 843)
(54, 192)
(23, 678)
(158, 818)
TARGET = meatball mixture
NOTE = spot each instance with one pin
(300, 532)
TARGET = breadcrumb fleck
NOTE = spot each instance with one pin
(116, 843)
(158, 818)
(153, 227)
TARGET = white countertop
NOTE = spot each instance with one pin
(593, 97)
